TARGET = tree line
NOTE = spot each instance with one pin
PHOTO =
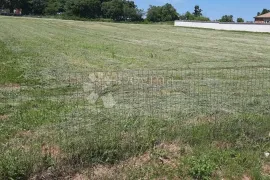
(117, 10)
(113, 9)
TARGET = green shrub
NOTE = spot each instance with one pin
(201, 167)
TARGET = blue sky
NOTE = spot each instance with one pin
(214, 9)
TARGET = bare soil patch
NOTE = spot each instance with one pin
(119, 170)
(4, 117)
(201, 120)
(53, 151)
(246, 177)
(24, 134)
(10, 87)
(79, 177)
(105, 172)
(266, 169)
(222, 144)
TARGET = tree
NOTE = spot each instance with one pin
(121, 10)
(197, 11)
(169, 13)
(2, 4)
(83, 8)
(55, 6)
(62, 4)
(113, 9)
(11, 4)
(264, 11)
(227, 18)
(240, 20)
(38, 6)
(131, 12)
(27, 6)
(154, 14)
(191, 17)
(187, 16)
(162, 13)
(202, 18)
(52, 7)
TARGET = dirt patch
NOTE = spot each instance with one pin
(138, 161)
(171, 153)
(246, 177)
(172, 150)
(79, 177)
(117, 171)
(15, 85)
(51, 150)
(24, 134)
(120, 170)
(221, 145)
(218, 175)
(3, 117)
(10, 87)
(201, 120)
(266, 169)
(206, 119)
(104, 172)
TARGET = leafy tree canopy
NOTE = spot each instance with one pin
(162, 13)
(240, 20)
(226, 18)
(264, 11)
(191, 17)
(197, 11)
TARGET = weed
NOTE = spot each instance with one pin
(201, 168)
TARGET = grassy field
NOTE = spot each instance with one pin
(55, 44)
(173, 103)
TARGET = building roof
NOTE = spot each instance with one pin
(267, 15)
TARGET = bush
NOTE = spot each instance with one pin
(239, 20)
(191, 17)
(201, 168)
(162, 13)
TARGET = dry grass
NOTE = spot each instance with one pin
(169, 157)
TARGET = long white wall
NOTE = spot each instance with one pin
(226, 26)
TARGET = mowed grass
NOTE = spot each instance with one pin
(44, 44)
(211, 123)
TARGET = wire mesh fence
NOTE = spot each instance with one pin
(87, 118)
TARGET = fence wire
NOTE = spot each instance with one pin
(87, 118)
